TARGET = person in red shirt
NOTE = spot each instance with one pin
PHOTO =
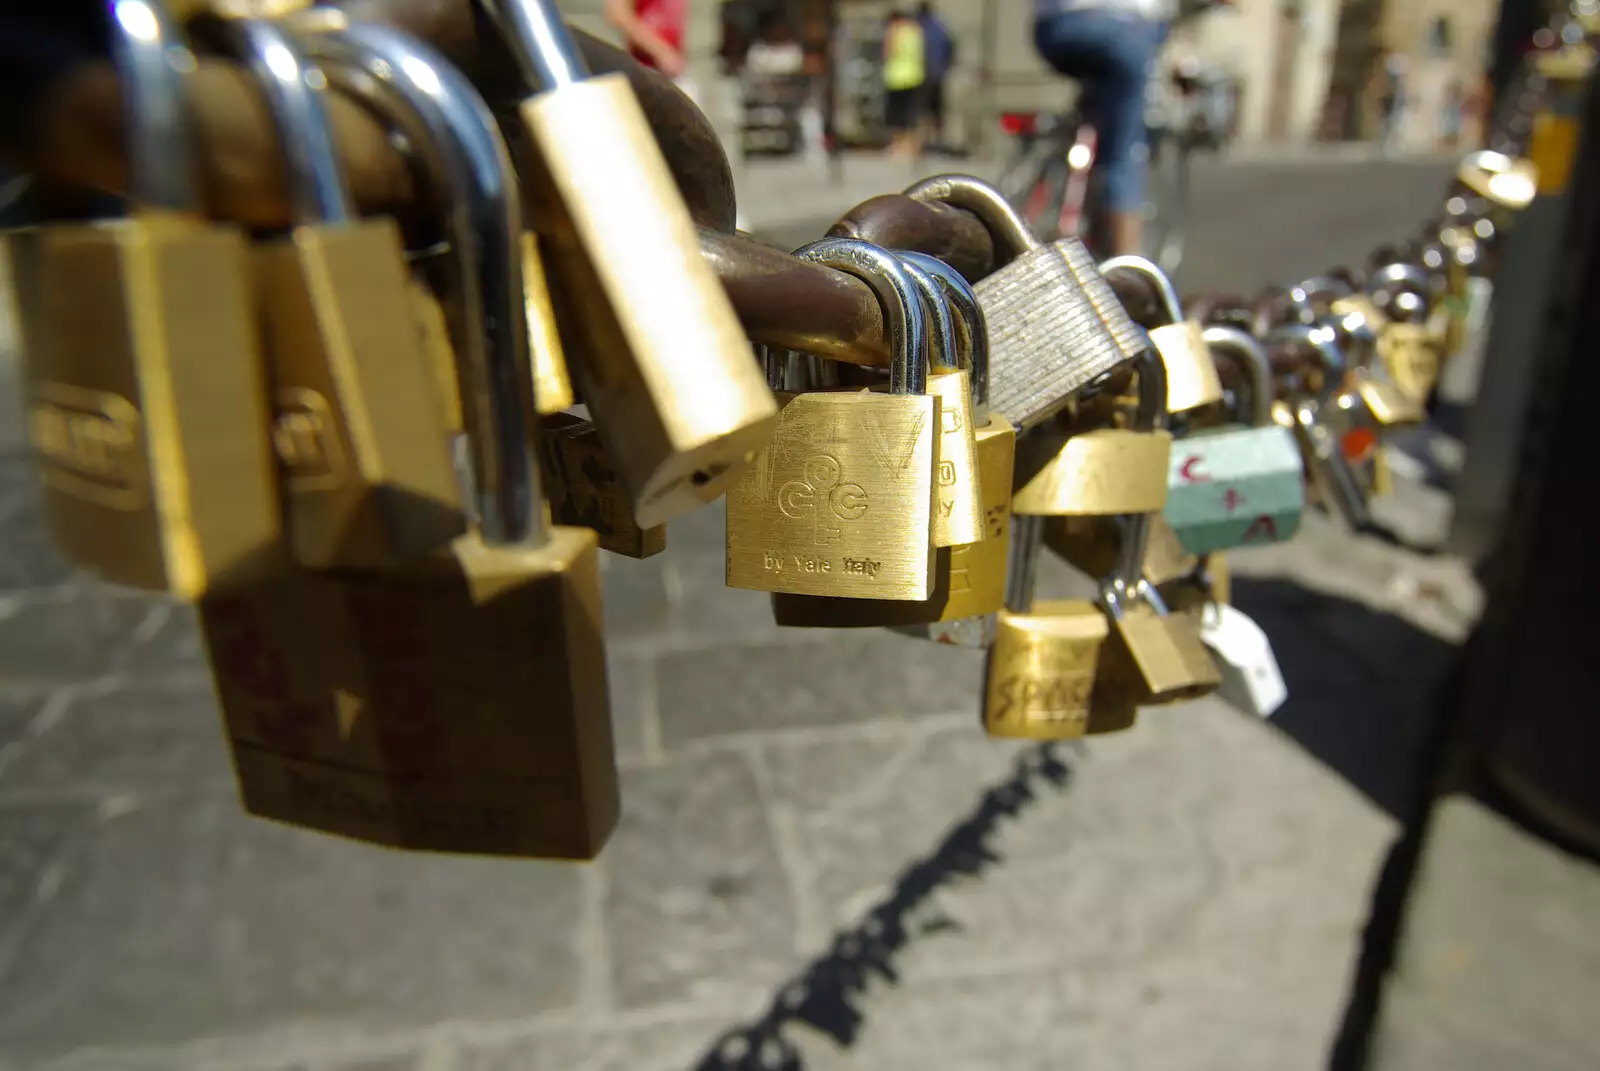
(654, 30)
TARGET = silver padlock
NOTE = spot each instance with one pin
(1055, 326)
(1320, 423)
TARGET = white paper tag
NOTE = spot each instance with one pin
(1251, 679)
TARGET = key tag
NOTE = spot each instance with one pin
(1191, 374)
(1251, 679)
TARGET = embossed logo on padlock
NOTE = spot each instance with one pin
(824, 498)
(90, 443)
(306, 441)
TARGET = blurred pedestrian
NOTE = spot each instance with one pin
(939, 50)
(904, 74)
(654, 32)
(1391, 102)
(1450, 117)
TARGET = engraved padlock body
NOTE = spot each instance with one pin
(1054, 324)
(1191, 374)
(970, 580)
(1041, 675)
(840, 502)
(1104, 471)
(1242, 484)
(659, 354)
(360, 434)
(146, 406)
(459, 704)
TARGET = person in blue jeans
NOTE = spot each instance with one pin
(1112, 46)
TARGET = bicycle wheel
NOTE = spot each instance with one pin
(1034, 183)
(1166, 209)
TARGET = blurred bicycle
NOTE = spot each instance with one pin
(1053, 182)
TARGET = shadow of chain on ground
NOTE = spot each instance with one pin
(823, 995)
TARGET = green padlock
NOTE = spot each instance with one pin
(1235, 486)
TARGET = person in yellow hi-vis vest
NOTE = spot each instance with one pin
(904, 72)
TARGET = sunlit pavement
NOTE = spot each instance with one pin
(822, 864)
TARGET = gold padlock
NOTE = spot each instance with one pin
(585, 491)
(958, 508)
(552, 382)
(1192, 380)
(142, 372)
(1507, 181)
(660, 357)
(1157, 654)
(458, 704)
(1412, 360)
(1104, 471)
(360, 435)
(969, 581)
(1092, 544)
(841, 501)
(1040, 681)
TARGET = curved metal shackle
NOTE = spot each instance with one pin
(1127, 582)
(972, 326)
(984, 201)
(1136, 265)
(1152, 414)
(1508, 181)
(447, 123)
(296, 90)
(1249, 356)
(904, 321)
(1303, 295)
(1317, 339)
(152, 60)
(1400, 274)
(539, 42)
(941, 324)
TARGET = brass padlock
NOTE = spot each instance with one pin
(1055, 326)
(1041, 678)
(969, 581)
(142, 373)
(1507, 181)
(361, 436)
(1192, 380)
(458, 704)
(1093, 544)
(958, 501)
(585, 491)
(660, 357)
(1104, 471)
(552, 381)
(841, 501)
(1157, 654)
(1412, 360)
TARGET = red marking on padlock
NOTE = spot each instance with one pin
(1359, 443)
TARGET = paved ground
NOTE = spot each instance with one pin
(822, 864)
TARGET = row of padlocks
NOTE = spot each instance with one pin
(361, 460)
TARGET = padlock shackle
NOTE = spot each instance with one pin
(1022, 565)
(1400, 274)
(1127, 583)
(772, 364)
(972, 328)
(1147, 269)
(1316, 340)
(1152, 414)
(1507, 181)
(539, 42)
(448, 124)
(152, 61)
(941, 324)
(1005, 226)
(1250, 357)
(1304, 294)
(296, 95)
(904, 320)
